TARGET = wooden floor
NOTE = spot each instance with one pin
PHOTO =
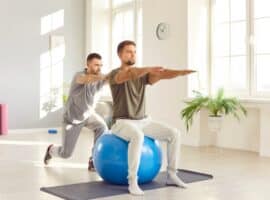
(238, 175)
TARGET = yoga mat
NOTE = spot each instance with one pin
(101, 189)
(3, 119)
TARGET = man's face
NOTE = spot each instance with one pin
(128, 55)
(94, 66)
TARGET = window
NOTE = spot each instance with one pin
(240, 54)
(52, 64)
(126, 25)
(51, 76)
(261, 51)
(113, 21)
(230, 51)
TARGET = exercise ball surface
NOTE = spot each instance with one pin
(111, 159)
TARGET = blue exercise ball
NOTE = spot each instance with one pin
(111, 159)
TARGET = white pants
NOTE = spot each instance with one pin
(71, 132)
(133, 131)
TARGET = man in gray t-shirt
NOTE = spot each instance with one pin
(79, 110)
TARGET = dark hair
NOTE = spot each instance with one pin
(124, 43)
(91, 56)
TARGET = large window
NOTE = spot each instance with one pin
(52, 64)
(240, 60)
(126, 25)
(261, 51)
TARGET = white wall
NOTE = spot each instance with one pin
(164, 99)
(181, 50)
(244, 134)
(21, 45)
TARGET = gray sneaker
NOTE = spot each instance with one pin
(48, 157)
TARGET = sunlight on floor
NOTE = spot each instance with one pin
(23, 143)
(61, 165)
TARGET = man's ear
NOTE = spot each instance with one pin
(119, 54)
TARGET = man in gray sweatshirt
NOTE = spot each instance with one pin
(79, 110)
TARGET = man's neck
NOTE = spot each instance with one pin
(126, 67)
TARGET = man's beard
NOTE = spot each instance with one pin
(97, 72)
(130, 62)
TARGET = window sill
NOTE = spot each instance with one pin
(255, 100)
(249, 102)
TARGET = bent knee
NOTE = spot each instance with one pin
(101, 129)
(138, 135)
(175, 134)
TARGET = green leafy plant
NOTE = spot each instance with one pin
(217, 106)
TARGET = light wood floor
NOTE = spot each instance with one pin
(238, 175)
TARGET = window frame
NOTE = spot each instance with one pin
(251, 82)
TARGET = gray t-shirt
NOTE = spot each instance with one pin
(81, 100)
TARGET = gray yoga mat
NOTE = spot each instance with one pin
(101, 189)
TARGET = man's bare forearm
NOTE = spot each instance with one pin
(154, 77)
(90, 78)
(171, 73)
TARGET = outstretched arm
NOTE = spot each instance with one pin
(90, 78)
(134, 73)
(167, 74)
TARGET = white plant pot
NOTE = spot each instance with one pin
(214, 123)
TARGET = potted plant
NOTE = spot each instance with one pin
(218, 106)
